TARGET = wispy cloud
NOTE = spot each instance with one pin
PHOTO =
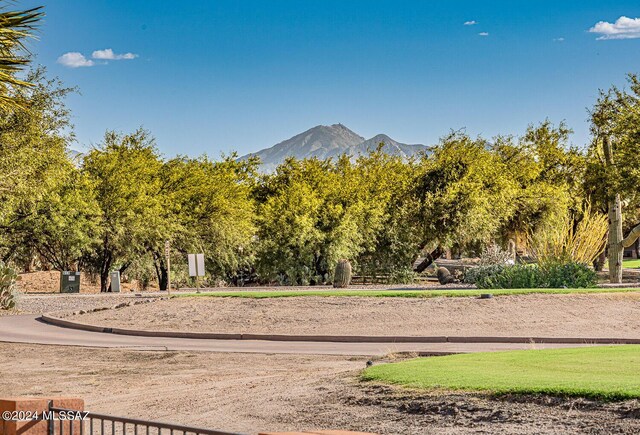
(74, 60)
(623, 28)
(483, 34)
(108, 54)
(558, 39)
(470, 23)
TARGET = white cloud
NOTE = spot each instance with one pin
(623, 28)
(558, 39)
(483, 33)
(74, 60)
(470, 23)
(108, 54)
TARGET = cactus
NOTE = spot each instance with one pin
(7, 287)
(342, 274)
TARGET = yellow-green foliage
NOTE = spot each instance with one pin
(570, 240)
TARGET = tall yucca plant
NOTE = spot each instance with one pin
(570, 241)
(15, 27)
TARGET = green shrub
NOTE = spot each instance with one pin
(7, 287)
(516, 276)
(571, 275)
(402, 275)
(478, 274)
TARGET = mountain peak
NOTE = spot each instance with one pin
(382, 138)
(327, 141)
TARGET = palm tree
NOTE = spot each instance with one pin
(15, 27)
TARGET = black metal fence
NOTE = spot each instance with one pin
(71, 422)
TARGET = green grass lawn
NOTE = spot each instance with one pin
(631, 264)
(400, 293)
(603, 372)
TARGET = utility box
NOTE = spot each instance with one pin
(115, 281)
(69, 282)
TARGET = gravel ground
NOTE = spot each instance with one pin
(594, 315)
(250, 393)
(38, 304)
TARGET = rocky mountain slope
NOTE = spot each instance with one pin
(325, 141)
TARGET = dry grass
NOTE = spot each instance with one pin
(571, 241)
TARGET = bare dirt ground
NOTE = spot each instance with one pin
(612, 315)
(249, 393)
(252, 392)
(49, 282)
(38, 304)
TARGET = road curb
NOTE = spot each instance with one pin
(57, 321)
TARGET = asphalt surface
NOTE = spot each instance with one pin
(29, 329)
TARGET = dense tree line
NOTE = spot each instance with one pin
(115, 207)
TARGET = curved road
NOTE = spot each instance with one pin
(28, 329)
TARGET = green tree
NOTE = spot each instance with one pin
(390, 240)
(210, 210)
(33, 157)
(311, 213)
(124, 172)
(548, 173)
(613, 173)
(462, 194)
(63, 229)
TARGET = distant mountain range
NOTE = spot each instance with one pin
(325, 141)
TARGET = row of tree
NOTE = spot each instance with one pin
(116, 206)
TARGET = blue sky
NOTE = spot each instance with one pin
(216, 76)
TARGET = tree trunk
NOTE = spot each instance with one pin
(598, 263)
(430, 258)
(161, 270)
(104, 279)
(616, 249)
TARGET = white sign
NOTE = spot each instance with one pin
(200, 262)
(196, 264)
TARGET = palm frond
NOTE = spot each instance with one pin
(15, 28)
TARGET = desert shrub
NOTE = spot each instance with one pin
(578, 242)
(516, 276)
(571, 275)
(7, 287)
(574, 275)
(494, 254)
(482, 273)
(402, 275)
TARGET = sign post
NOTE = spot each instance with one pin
(167, 253)
(196, 268)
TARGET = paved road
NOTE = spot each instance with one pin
(28, 329)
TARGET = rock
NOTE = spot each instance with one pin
(444, 276)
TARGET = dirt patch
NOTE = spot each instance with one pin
(38, 304)
(49, 282)
(248, 393)
(594, 315)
